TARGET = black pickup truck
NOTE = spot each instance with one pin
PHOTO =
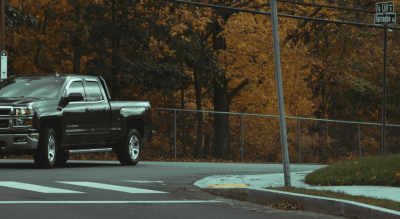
(53, 116)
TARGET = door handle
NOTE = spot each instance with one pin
(88, 109)
(105, 109)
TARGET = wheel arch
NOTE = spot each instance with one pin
(137, 124)
(56, 124)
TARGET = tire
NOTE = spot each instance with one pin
(62, 158)
(46, 154)
(130, 149)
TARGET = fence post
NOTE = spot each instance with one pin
(175, 132)
(359, 140)
(242, 137)
(298, 122)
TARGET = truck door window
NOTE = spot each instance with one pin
(94, 91)
(76, 87)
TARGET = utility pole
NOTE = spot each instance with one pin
(279, 88)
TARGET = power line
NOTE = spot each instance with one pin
(283, 15)
(327, 6)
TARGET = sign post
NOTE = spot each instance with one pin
(384, 15)
(3, 65)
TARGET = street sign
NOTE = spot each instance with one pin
(385, 19)
(3, 65)
(381, 7)
(384, 13)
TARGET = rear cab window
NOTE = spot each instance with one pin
(94, 91)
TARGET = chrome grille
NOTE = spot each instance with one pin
(5, 112)
(4, 123)
(5, 118)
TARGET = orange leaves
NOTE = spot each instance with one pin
(250, 55)
(177, 29)
(159, 49)
(397, 175)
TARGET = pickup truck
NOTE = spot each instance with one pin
(53, 116)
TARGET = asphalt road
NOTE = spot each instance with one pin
(105, 189)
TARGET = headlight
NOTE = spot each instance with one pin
(23, 111)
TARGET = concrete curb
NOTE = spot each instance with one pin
(307, 202)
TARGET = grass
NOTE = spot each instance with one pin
(384, 203)
(375, 170)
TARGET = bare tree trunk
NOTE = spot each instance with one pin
(183, 114)
(77, 56)
(46, 18)
(114, 65)
(3, 25)
(222, 102)
(168, 130)
(207, 148)
(199, 115)
(221, 120)
(199, 75)
(77, 45)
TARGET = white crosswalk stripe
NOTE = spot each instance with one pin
(34, 188)
(110, 202)
(112, 187)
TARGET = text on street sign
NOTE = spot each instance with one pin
(381, 7)
(389, 18)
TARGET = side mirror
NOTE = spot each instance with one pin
(74, 97)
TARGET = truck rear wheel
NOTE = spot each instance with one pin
(130, 150)
(45, 156)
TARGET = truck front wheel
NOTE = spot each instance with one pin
(45, 155)
(62, 158)
(130, 150)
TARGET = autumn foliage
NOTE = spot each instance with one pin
(199, 58)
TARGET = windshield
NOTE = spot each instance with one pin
(37, 87)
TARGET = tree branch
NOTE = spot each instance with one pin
(302, 25)
(237, 89)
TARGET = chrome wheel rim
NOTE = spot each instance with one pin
(134, 147)
(51, 148)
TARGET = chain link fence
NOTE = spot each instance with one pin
(237, 137)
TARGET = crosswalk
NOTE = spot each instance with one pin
(34, 188)
(112, 187)
(95, 185)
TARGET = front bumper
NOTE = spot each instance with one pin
(8, 143)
